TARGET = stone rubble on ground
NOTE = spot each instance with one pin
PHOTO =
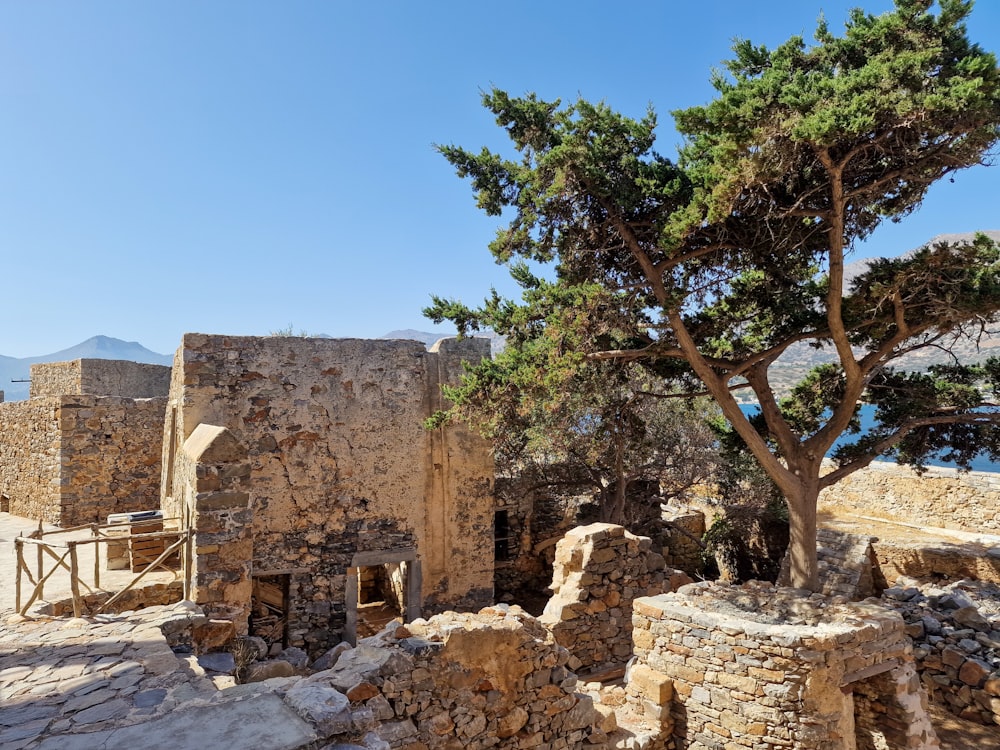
(956, 632)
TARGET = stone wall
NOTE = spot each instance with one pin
(684, 529)
(30, 459)
(954, 561)
(956, 634)
(944, 498)
(599, 570)
(110, 456)
(490, 680)
(762, 667)
(342, 469)
(99, 377)
(848, 565)
(76, 459)
(213, 471)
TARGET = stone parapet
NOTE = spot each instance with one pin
(99, 377)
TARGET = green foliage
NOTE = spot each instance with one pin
(702, 272)
(288, 330)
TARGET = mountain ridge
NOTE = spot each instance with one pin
(96, 347)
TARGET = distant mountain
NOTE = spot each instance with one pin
(800, 358)
(96, 347)
(428, 339)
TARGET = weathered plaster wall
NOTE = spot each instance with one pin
(99, 377)
(341, 464)
(76, 459)
(941, 497)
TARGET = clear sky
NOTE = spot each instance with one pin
(237, 166)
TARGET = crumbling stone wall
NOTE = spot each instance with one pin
(76, 459)
(762, 667)
(599, 570)
(495, 679)
(341, 464)
(99, 377)
(940, 497)
(956, 634)
(685, 527)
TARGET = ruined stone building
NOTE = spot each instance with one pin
(87, 442)
(328, 492)
(304, 467)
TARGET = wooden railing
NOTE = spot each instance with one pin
(64, 555)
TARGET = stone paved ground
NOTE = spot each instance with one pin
(88, 684)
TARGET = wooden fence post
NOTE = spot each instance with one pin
(19, 548)
(74, 577)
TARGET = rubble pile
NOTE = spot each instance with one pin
(956, 634)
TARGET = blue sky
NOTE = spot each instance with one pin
(234, 167)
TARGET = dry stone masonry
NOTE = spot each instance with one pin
(762, 667)
(956, 630)
(941, 497)
(599, 570)
(848, 565)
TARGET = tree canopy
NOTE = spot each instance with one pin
(703, 270)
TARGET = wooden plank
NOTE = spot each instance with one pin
(871, 671)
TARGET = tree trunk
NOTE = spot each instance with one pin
(802, 558)
(613, 504)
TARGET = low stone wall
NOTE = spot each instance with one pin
(495, 679)
(943, 561)
(762, 667)
(29, 458)
(599, 570)
(944, 498)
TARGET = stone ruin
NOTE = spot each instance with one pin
(599, 570)
(87, 442)
(761, 667)
(311, 487)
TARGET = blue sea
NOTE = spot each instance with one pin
(980, 463)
